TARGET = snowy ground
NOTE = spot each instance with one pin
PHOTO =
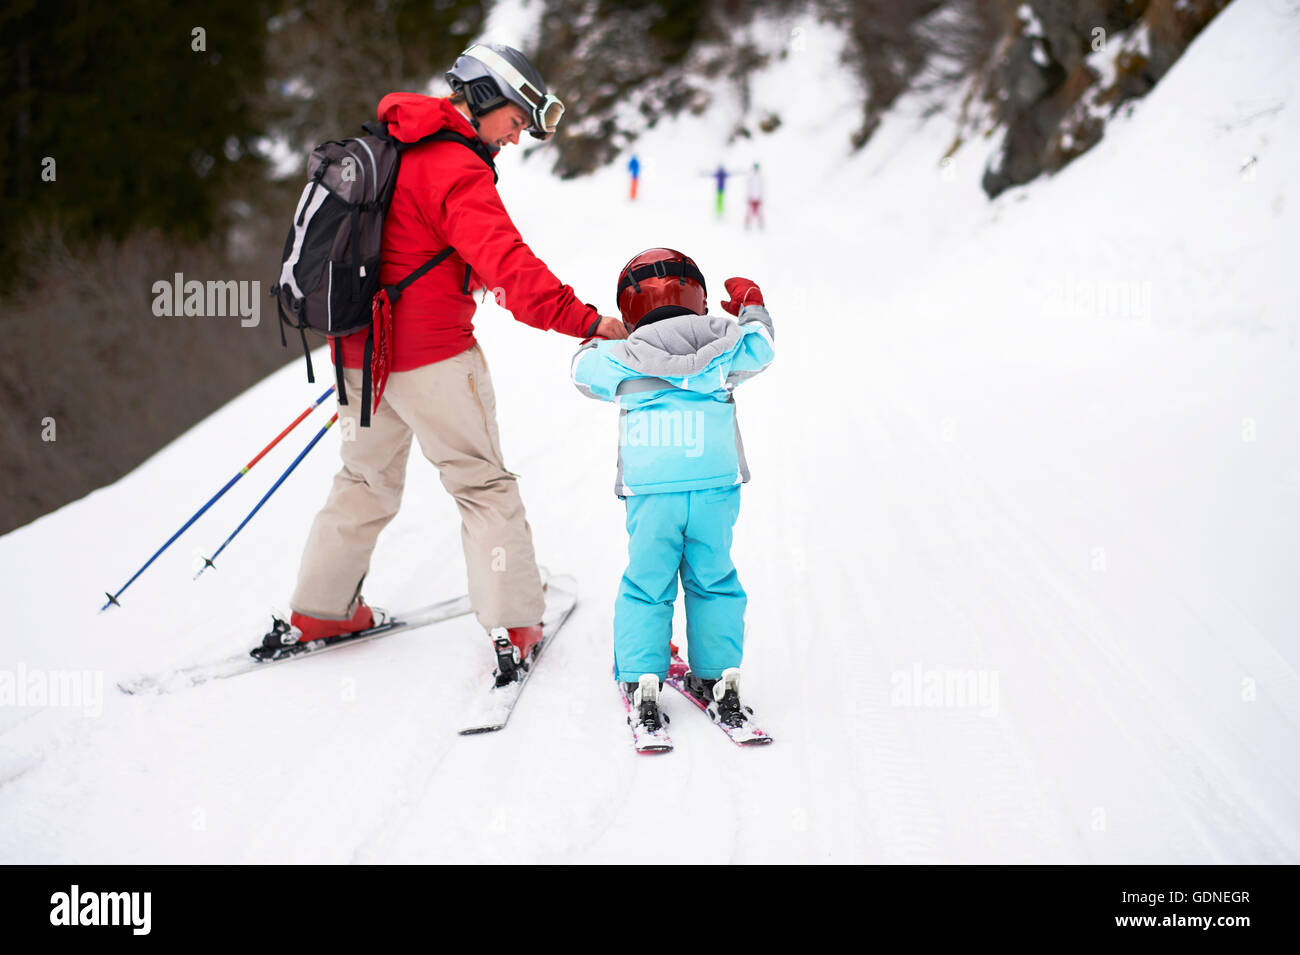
(1047, 444)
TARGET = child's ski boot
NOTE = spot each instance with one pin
(647, 720)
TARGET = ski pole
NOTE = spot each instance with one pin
(112, 598)
(209, 561)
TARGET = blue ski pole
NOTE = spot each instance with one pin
(112, 598)
(210, 561)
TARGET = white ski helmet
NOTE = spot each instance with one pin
(493, 74)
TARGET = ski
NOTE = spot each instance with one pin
(492, 710)
(742, 729)
(260, 658)
(649, 729)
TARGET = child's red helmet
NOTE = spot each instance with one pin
(659, 283)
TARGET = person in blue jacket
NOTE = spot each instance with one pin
(634, 168)
(720, 177)
(680, 466)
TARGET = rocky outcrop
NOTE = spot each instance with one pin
(1062, 69)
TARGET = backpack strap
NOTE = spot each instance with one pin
(475, 145)
(316, 177)
(356, 253)
(366, 384)
(337, 347)
(306, 353)
(284, 320)
(279, 308)
(395, 291)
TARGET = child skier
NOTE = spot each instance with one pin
(680, 467)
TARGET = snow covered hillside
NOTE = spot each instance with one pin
(1021, 542)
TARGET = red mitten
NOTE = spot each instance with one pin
(743, 292)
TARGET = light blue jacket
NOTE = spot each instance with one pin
(672, 381)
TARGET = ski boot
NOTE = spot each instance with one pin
(316, 628)
(721, 697)
(644, 697)
(513, 646)
(300, 628)
(274, 643)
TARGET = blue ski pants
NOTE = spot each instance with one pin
(683, 534)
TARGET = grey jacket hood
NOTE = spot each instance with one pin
(678, 347)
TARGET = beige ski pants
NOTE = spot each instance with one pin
(450, 408)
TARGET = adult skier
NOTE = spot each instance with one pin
(439, 390)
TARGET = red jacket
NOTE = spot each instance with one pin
(444, 196)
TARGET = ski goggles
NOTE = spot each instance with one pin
(545, 108)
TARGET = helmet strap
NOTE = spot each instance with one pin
(479, 104)
(470, 116)
(680, 268)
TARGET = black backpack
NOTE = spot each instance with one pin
(329, 271)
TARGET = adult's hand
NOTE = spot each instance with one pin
(611, 327)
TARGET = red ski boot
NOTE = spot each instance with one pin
(314, 628)
(513, 645)
(525, 638)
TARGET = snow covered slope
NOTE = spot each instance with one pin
(1021, 543)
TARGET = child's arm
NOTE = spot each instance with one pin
(757, 347)
(594, 374)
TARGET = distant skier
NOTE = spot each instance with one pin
(720, 176)
(755, 210)
(634, 168)
(680, 467)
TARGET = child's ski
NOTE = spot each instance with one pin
(647, 722)
(260, 658)
(737, 721)
(492, 710)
